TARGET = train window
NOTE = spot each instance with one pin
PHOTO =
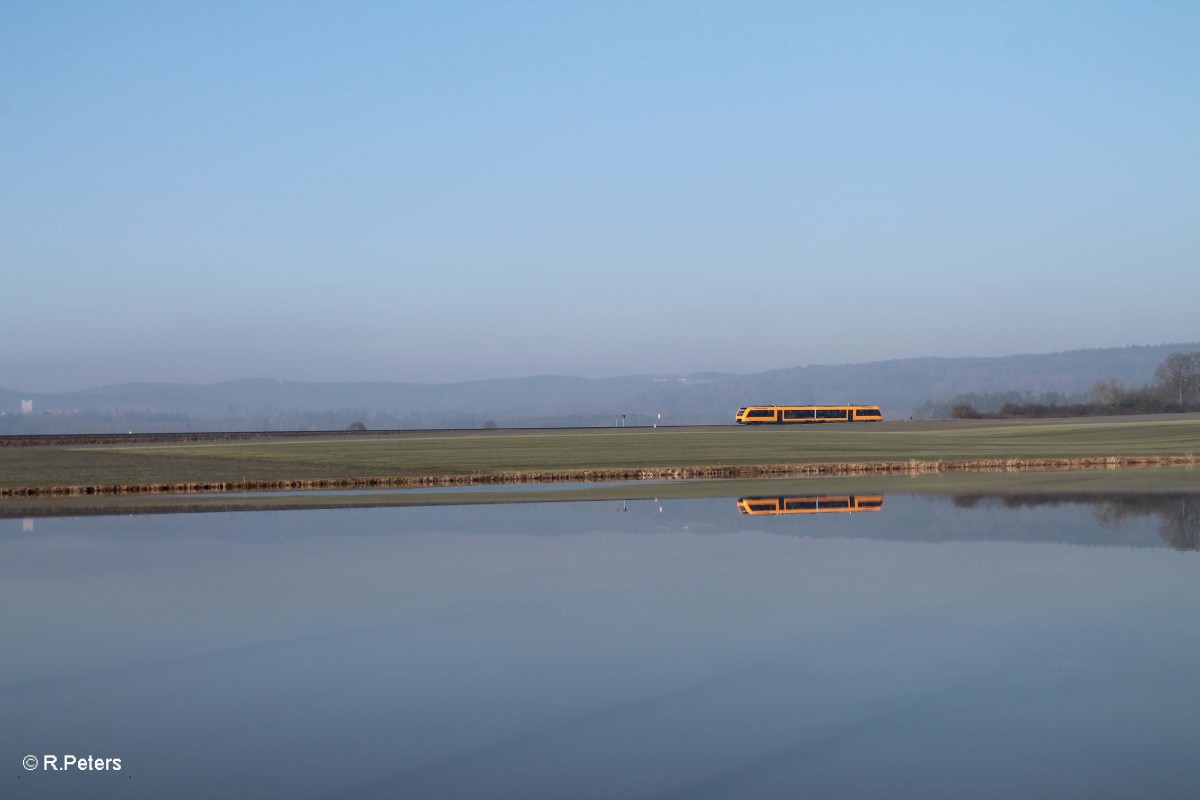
(796, 413)
(761, 412)
(868, 412)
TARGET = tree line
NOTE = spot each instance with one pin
(1176, 388)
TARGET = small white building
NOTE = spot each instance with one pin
(26, 406)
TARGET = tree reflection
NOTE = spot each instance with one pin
(1179, 513)
(1180, 527)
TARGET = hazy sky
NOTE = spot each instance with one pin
(443, 191)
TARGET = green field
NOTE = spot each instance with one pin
(485, 453)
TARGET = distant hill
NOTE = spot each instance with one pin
(897, 385)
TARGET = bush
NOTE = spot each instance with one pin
(964, 411)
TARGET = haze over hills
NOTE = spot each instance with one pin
(899, 386)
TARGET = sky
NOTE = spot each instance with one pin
(447, 191)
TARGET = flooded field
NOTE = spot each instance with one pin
(881, 645)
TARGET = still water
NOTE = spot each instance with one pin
(920, 647)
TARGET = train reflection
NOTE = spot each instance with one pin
(810, 504)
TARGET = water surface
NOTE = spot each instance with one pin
(936, 647)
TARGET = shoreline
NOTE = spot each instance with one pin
(606, 475)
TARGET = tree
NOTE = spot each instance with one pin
(1195, 387)
(356, 426)
(1177, 375)
(1107, 392)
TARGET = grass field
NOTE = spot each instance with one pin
(459, 453)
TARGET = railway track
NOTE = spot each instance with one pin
(80, 439)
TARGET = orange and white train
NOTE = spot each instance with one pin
(798, 415)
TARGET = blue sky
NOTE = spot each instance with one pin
(447, 191)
